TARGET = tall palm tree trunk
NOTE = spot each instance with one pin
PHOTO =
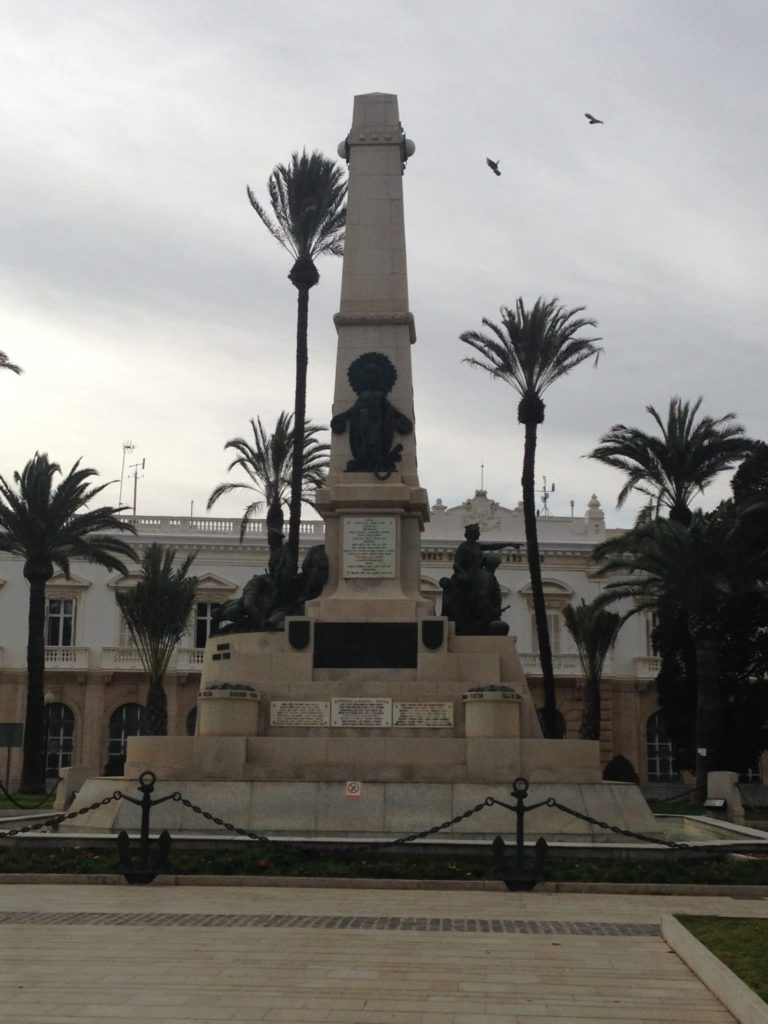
(156, 714)
(33, 767)
(708, 711)
(303, 276)
(537, 587)
(590, 715)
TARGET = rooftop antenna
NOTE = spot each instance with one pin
(128, 446)
(572, 504)
(545, 493)
(482, 476)
(136, 467)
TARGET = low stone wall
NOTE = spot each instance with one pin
(371, 809)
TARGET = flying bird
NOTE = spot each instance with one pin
(494, 165)
(593, 120)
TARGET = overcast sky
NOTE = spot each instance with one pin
(146, 301)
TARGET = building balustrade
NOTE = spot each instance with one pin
(127, 659)
(66, 657)
(312, 528)
(563, 664)
(190, 658)
(647, 667)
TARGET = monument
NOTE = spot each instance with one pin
(369, 714)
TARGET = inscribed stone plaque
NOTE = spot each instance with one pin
(299, 714)
(369, 547)
(411, 714)
(361, 712)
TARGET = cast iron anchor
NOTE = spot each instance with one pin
(149, 863)
(521, 877)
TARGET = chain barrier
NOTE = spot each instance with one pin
(551, 802)
(56, 819)
(141, 866)
(489, 801)
(29, 807)
(358, 848)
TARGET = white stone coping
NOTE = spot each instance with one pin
(737, 997)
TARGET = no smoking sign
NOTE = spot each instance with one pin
(353, 790)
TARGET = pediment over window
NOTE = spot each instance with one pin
(215, 589)
(209, 586)
(556, 593)
(59, 586)
(124, 582)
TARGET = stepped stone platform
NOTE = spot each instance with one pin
(367, 781)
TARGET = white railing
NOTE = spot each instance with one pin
(66, 657)
(126, 659)
(563, 664)
(189, 657)
(314, 528)
(647, 668)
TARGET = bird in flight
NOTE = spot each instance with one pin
(593, 120)
(494, 165)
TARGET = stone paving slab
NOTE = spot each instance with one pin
(177, 955)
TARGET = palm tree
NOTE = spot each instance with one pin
(268, 464)
(751, 478)
(157, 612)
(48, 526)
(308, 202)
(594, 632)
(672, 468)
(5, 364)
(696, 571)
(531, 349)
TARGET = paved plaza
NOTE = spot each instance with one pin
(176, 954)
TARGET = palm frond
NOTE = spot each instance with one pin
(46, 524)
(671, 468)
(532, 347)
(267, 462)
(6, 364)
(307, 198)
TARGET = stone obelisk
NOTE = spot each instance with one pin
(373, 506)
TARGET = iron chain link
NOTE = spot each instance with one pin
(400, 841)
(57, 819)
(551, 802)
(489, 801)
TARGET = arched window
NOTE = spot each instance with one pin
(59, 738)
(192, 722)
(663, 763)
(559, 723)
(125, 721)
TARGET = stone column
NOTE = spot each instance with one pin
(374, 318)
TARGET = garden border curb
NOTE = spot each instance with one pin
(735, 995)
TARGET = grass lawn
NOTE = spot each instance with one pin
(28, 801)
(686, 807)
(741, 943)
